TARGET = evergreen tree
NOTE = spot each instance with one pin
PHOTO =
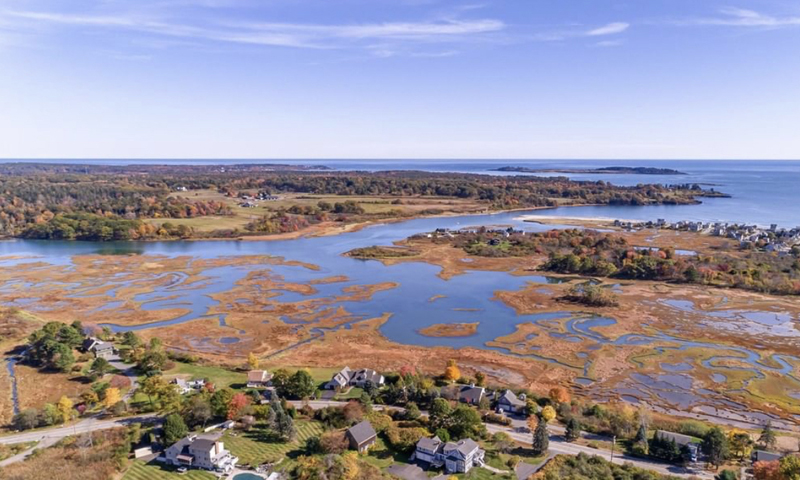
(174, 428)
(641, 439)
(541, 439)
(573, 430)
(715, 446)
(768, 438)
(281, 422)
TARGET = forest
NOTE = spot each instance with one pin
(592, 253)
(102, 203)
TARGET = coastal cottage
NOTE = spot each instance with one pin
(205, 452)
(354, 378)
(681, 441)
(99, 348)
(456, 457)
(511, 403)
(258, 378)
(361, 436)
(471, 394)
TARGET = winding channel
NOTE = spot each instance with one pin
(464, 298)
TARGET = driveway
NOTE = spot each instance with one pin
(127, 370)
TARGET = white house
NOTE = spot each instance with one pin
(355, 378)
(204, 452)
(456, 457)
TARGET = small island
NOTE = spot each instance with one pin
(375, 253)
(601, 170)
(450, 330)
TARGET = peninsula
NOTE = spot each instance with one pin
(601, 170)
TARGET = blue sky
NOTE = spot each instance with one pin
(539, 79)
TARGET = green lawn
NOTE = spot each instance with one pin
(221, 377)
(353, 394)
(253, 450)
(156, 471)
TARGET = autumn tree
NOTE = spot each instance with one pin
(740, 443)
(237, 404)
(112, 397)
(452, 373)
(252, 361)
(790, 467)
(65, 409)
(559, 395)
(548, 413)
(768, 471)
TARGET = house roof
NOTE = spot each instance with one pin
(366, 374)
(204, 444)
(463, 447)
(510, 397)
(362, 432)
(471, 394)
(429, 444)
(257, 376)
(88, 343)
(678, 438)
(764, 456)
(103, 346)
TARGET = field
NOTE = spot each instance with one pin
(372, 205)
(96, 460)
(253, 450)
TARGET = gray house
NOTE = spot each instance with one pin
(99, 348)
(471, 394)
(510, 402)
(361, 436)
(205, 452)
(354, 378)
(455, 457)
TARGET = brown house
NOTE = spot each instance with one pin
(258, 378)
(361, 436)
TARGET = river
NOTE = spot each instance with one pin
(465, 298)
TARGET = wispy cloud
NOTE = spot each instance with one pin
(610, 29)
(609, 43)
(740, 17)
(614, 28)
(298, 35)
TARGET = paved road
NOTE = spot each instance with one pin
(46, 442)
(90, 424)
(557, 444)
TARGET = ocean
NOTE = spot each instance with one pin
(762, 192)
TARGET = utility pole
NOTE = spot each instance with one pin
(613, 443)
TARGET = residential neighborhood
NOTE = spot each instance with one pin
(415, 424)
(771, 239)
